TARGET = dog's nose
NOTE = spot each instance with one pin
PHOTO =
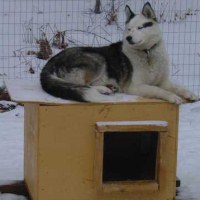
(129, 38)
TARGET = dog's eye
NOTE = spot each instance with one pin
(140, 27)
(129, 29)
(147, 24)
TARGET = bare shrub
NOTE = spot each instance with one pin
(45, 50)
(59, 40)
(111, 16)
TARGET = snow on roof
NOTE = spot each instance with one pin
(24, 91)
(131, 123)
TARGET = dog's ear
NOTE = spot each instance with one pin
(129, 14)
(148, 11)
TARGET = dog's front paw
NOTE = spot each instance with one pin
(190, 96)
(113, 88)
(103, 90)
(175, 99)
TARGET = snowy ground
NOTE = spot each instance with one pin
(11, 149)
(11, 197)
(189, 151)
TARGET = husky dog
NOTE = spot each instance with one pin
(138, 66)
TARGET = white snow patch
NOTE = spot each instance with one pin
(189, 152)
(11, 197)
(7, 103)
(128, 123)
(12, 144)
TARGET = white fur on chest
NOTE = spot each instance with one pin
(149, 69)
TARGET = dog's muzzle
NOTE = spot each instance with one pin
(129, 39)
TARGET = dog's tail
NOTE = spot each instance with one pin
(58, 87)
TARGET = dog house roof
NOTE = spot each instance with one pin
(30, 91)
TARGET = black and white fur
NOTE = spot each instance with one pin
(138, 65)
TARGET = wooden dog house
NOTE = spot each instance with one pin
(117, 150)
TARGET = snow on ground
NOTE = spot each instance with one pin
(11, 197)
(11, 149)
(189, 151)
(11, 144)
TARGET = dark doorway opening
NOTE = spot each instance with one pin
(130, 156)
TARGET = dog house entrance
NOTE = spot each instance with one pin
(129, 156)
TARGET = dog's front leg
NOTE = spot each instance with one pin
(180, 91)
(154, 92)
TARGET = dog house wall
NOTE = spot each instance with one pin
(60, 148)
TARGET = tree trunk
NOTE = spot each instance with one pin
(97, 9)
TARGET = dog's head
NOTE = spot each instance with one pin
(142, 31)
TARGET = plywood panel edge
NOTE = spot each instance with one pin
(177, 136)
(30, 153)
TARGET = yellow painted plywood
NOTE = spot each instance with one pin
(31, 148)
(66, 149)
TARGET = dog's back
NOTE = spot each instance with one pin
(73, 73)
